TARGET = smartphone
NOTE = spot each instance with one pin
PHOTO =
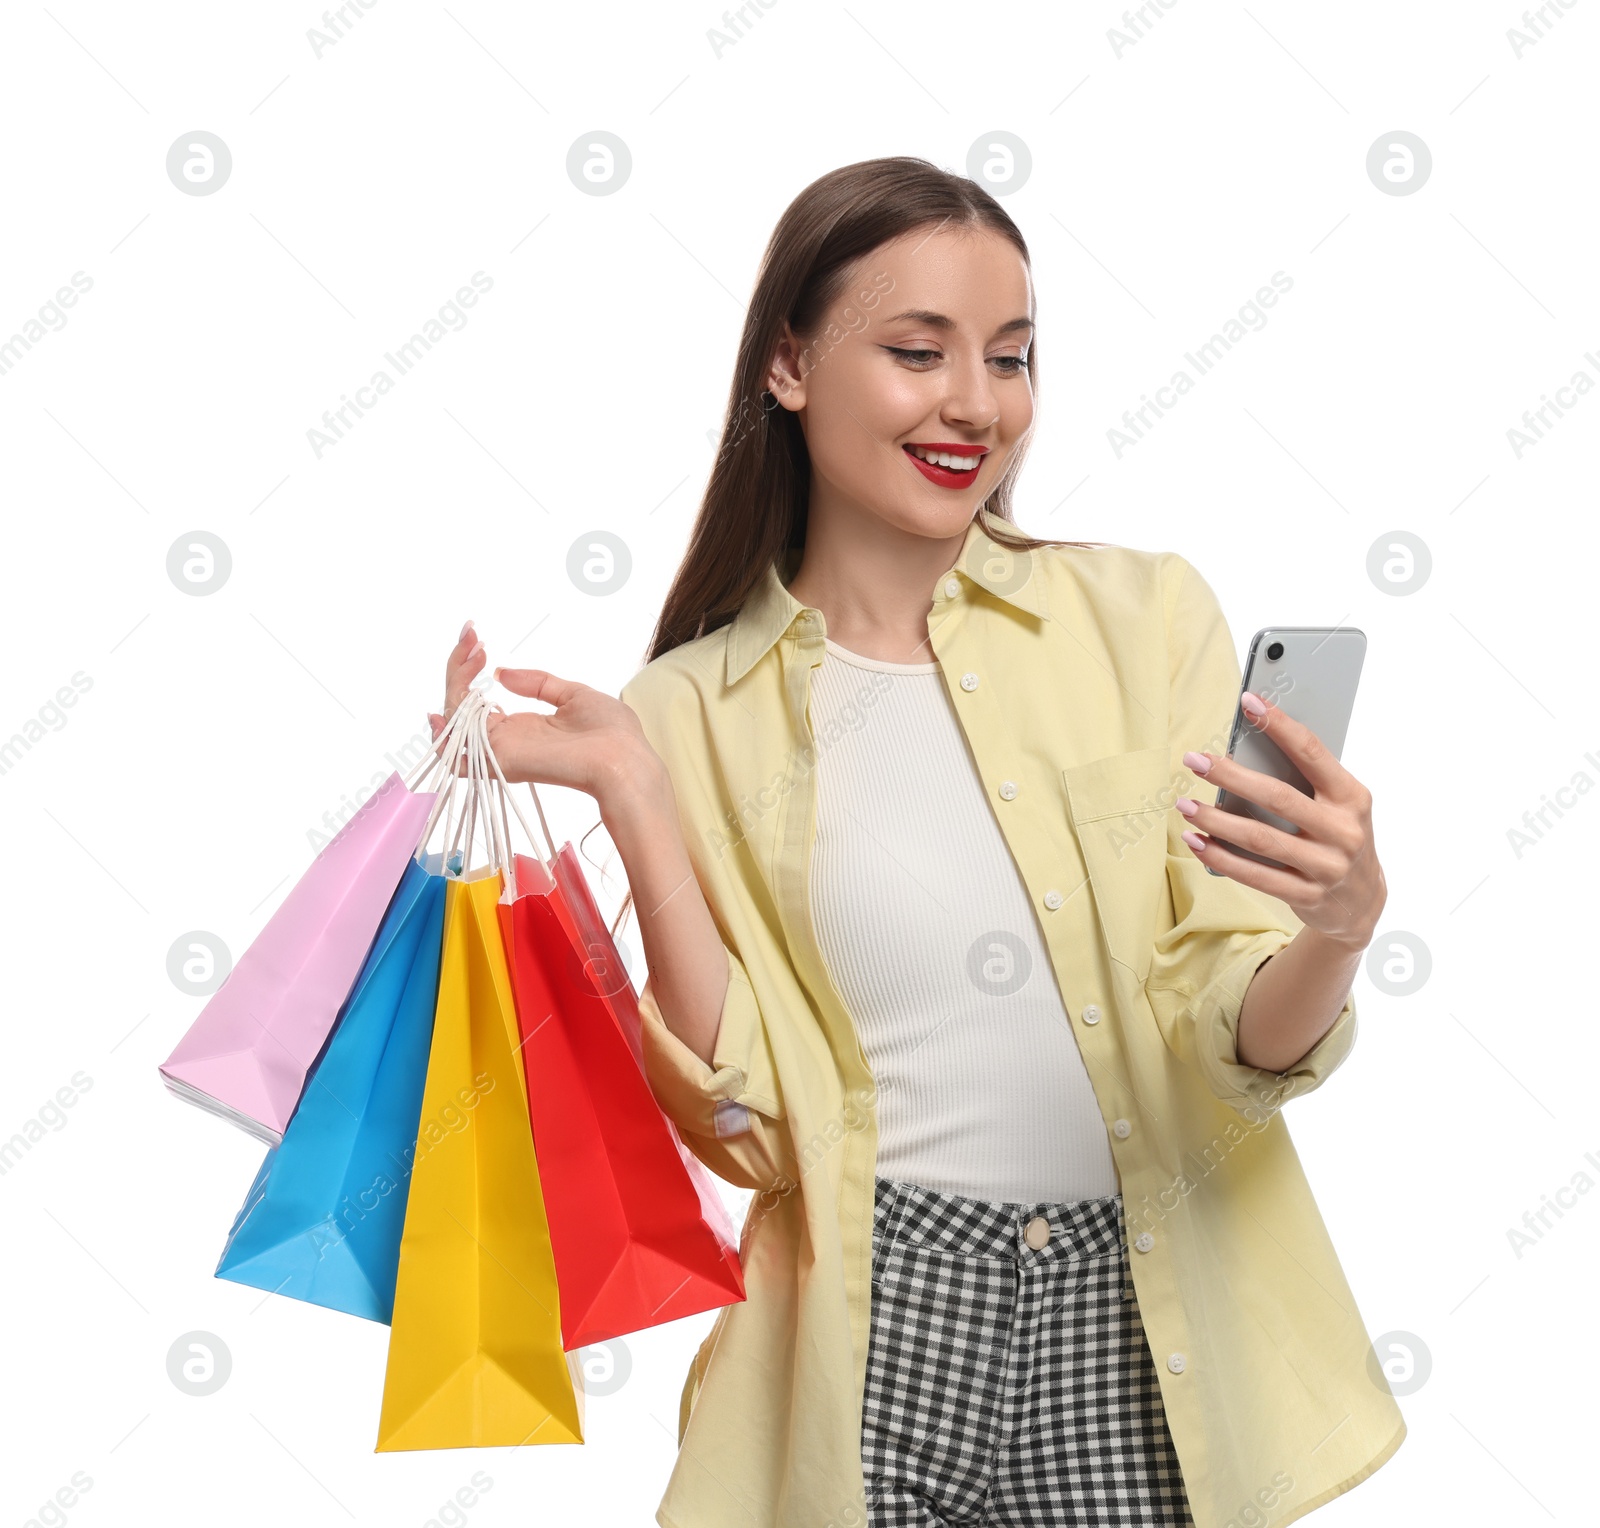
(1310, 672)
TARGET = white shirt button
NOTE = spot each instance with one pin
(1053, 899)
(1144, 1241)
(1008, 790)
(1037, 1232)
(969, 682)
(1091, 1014)
(1122, 1129)
(1175, 1362)
(952, 587)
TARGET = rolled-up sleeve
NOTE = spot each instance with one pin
(1222, 931)
(728, 1111)
(1202, 1026)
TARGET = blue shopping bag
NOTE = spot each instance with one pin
(322, 1221)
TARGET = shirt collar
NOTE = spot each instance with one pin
(771, 610)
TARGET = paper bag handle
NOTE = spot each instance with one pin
(499, 789)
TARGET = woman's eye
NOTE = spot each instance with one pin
(1010, 365)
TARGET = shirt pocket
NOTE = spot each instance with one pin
(1119, 805)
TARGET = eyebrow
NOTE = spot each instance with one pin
(939, 321)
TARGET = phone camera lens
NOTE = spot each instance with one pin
(1274, 651)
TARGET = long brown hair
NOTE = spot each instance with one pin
(756, 501)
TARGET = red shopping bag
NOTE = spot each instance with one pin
(639, 1232)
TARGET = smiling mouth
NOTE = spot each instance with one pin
(948, 468)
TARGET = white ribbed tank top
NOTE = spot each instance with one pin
(930, 936)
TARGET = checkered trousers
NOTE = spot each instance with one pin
(1010, 1383)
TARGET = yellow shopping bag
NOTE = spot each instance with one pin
(475, 1355)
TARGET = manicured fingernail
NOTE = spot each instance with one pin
(1186, 806)
(1198, 762)
(464, 630)
(1195, 842)
(1253, 703)
(474, 653)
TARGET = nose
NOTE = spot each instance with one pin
(970, 401)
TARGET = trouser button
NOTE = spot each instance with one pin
(1037, 1232)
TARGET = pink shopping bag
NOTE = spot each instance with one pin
(246, 1056)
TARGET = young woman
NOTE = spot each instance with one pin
(936, 969)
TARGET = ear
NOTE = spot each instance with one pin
(784, 379)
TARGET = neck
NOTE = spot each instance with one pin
(871, 580)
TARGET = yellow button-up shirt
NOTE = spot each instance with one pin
(1081, 676)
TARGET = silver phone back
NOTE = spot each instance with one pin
(1314, 681)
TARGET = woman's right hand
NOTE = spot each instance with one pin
(592, 742)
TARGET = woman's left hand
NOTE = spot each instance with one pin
(1333, 883)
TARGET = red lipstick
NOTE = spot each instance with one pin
(946, 477)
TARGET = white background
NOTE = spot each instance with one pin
(1170, 178)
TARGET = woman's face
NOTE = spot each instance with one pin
(924, 355)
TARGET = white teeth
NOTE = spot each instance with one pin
(945, 459)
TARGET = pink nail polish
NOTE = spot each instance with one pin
(1198, 762)
(1195, 842)
(464, 630)
(474, 653)
(1186, 806)
(1253, 703)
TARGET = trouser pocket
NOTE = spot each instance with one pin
(885, 1216)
